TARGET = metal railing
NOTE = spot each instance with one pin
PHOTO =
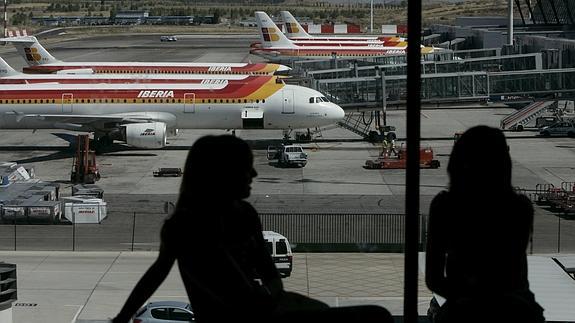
(318, 232)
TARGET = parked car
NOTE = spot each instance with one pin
(561, 128)
(168, 38)
(164, 312)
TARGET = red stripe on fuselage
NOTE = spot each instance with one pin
(249, 68)
(326, 52)
(231, 91)
(249, 79)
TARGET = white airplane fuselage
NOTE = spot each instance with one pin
(287, 108)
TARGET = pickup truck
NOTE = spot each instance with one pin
(288, 155)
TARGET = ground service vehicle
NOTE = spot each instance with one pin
(168, 172)
(288, 155)
(165, 312)
(561, 128)
(84, 168)
(280, 250)
(398, 160)
(168, 38)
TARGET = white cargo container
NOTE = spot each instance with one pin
(79, 209)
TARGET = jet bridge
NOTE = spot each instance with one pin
(370, 92)
(448, 88)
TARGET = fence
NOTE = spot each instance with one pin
(124, 231)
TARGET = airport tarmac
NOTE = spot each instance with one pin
(57, 287)
(332, 182)
(90, 287)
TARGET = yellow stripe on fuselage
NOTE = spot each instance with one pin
(266, 90)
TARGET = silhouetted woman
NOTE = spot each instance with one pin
(478, 235)
(217, 239)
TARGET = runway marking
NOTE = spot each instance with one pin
(80, 307)
(99, 281)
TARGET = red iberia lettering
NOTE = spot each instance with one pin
(156, 94)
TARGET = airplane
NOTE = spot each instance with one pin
(331, 41)
(143, 115)
(276, 46)
(9, 75)
(40, 61)
(294, 31)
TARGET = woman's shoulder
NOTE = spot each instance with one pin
(246, 207)
(442, 199)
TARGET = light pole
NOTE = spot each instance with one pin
(510, 23)
(370, 17)
(5, 17)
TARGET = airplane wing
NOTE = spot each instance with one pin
(89, 122)
(87, 118)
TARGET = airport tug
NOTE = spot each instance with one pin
(392, 158)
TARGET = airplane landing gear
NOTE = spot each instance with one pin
(287, 134)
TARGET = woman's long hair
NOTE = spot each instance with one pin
(480, 162)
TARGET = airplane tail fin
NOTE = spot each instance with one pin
(6, 69)
(31, 50)
(292, 26)
(270, 35)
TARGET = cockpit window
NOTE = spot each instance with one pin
(318, 99)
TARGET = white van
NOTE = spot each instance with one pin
(279, 247)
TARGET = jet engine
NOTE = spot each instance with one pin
(145, 135)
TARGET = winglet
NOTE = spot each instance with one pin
(292, 26)
(31, 50)
(270, 35)
(6, 69)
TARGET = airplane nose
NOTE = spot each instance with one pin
(336, 113)
(283, 68)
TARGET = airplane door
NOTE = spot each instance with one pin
(288, 104)
(189, 102)
(67, 102)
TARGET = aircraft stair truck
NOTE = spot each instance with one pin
(398, 160)
(84, 168)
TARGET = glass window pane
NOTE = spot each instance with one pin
(160, 313)
(181, 315)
